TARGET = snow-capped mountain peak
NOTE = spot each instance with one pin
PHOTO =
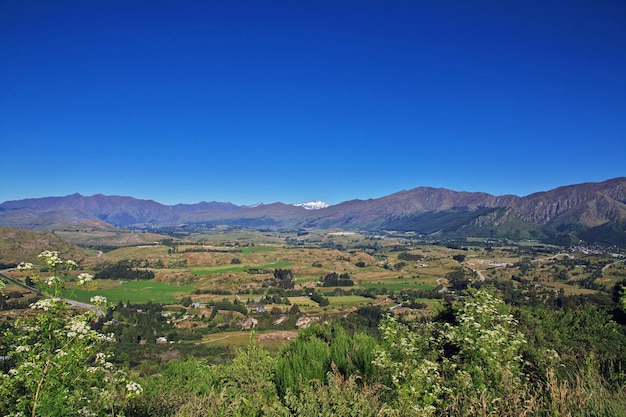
(312, 205)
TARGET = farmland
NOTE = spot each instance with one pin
(132, 291)
(390, 271)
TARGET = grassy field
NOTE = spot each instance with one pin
(303, 301)
(256, 249)
(239, 268)
(137, 252)
(399, 285)
(133, 291)
(349, 300)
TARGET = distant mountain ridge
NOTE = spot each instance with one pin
(596, 211)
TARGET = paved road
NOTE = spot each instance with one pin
(480, 274)
(444, 288)
(18, 282)
(74, 303)
(607, 266)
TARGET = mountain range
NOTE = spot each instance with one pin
(592, 212)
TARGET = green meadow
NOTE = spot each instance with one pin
(349, 300)
(207, 270)
(390, 285)
(133, 291)
(257, 249)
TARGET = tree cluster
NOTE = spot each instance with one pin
(335, 280)
(319, 299)
(282, 278)
(124, 270)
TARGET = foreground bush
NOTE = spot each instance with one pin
(56, 365)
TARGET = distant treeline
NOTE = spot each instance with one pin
(124, 270)
(203, 249)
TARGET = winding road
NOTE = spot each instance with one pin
(74, 303)
(607, 266)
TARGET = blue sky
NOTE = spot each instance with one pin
(248, 101)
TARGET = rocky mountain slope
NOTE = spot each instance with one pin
(576, 210)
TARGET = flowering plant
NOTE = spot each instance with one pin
(472, 350)
(55, 362)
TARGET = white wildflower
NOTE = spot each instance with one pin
(45, 304)
(84, 278)
(133, 389)
(21, 349)
(24, 266)
(53, 280)
(51, 258)
(77, 327)
(98, 300)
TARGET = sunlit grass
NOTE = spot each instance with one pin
(206, 270)
(255, 249)
(348, 300)
(133, 291)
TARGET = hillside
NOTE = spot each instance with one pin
(590, 210)
(18, 245)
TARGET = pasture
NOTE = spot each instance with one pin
(239, 268)
(132, 291)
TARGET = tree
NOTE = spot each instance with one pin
(284, 278)
(124, 270)
(185, 301)
(619, 294)
(306, 358)
(459, 257)
(250, 377)
(334, 280)
(320, 299)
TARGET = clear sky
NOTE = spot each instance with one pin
(184, 101)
